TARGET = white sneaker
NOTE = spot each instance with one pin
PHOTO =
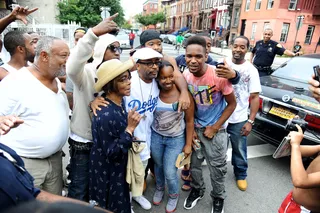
(132, 209)
(144, 203)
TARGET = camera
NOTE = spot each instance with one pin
(291, 125)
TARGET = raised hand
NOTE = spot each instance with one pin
(106, 26)
(21, 13)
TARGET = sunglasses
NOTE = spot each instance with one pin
(150, 63)
(114, 48)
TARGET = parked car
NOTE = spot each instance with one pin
(186, 36)
(124, 41)
(162, 36)
(284, 95)
(170, 39)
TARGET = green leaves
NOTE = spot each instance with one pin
(151, 19)
(87, 12)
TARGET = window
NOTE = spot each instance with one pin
(247, 5)
(292, 4)
(309, 34)
(270, 4)
(284, 32)
(254, 30)
(151, 5)
(233, 36)
(266, 25)
(155, 6)
(258, 5)
(236, 17)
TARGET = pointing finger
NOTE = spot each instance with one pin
(113, 16)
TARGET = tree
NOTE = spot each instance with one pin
(127, 26)
(87, 12)
(151, 19)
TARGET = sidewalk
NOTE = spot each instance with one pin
(228, 53)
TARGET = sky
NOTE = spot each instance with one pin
(132, 7)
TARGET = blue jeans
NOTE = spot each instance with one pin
(79, 170)
(239, 150)
(164, 151)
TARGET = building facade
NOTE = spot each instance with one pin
(150, 6)
(283, 17)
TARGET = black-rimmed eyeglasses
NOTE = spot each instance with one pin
(114, 48)
(150, 63)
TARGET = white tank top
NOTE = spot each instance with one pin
(8, 67)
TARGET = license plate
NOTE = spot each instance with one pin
(282, 113)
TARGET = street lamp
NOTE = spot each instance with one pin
(298, 26)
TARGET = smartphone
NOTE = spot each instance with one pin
(220, 63)
(316, 70)
(175, 106)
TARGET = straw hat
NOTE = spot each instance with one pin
(109, 70)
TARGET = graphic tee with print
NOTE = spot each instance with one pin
(144, 96)
(249, 83)
(208, 91)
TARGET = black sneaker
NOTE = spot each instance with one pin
(193, 198)
(217, 206)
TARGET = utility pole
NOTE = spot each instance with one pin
(298, 26)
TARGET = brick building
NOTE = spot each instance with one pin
(282, 16)
(150, 6)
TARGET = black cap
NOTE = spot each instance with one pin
(80, 29)
(149, 35)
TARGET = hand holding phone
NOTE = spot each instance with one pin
(316, 70)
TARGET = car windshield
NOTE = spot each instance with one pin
(298, 69)
(122, 37)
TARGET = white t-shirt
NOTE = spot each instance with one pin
(249, 83)
(45, 113)
(145, 98)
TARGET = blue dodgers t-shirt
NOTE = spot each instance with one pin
(208, 92)
(144, 96)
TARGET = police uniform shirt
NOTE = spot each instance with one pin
(16, 184)
(265, 52)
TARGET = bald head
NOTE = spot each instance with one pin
(267, 34)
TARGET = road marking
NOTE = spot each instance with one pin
(255, 151)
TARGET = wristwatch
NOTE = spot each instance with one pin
(250, 121)
(93, 203)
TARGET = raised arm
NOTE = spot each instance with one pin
(300, 177)
(83, 50)
(18, 13)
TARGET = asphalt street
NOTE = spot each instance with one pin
(269, 180)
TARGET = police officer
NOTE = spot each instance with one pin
(264, 52)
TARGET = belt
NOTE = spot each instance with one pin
(42, 158)
(80, 146)
(262, 67)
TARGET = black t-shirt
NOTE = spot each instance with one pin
(265, 52)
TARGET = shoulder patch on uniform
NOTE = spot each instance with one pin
(279, 45)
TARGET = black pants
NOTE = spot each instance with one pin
(149, 166)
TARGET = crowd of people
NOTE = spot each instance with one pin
(128, 118)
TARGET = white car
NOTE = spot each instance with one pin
(124, 41)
